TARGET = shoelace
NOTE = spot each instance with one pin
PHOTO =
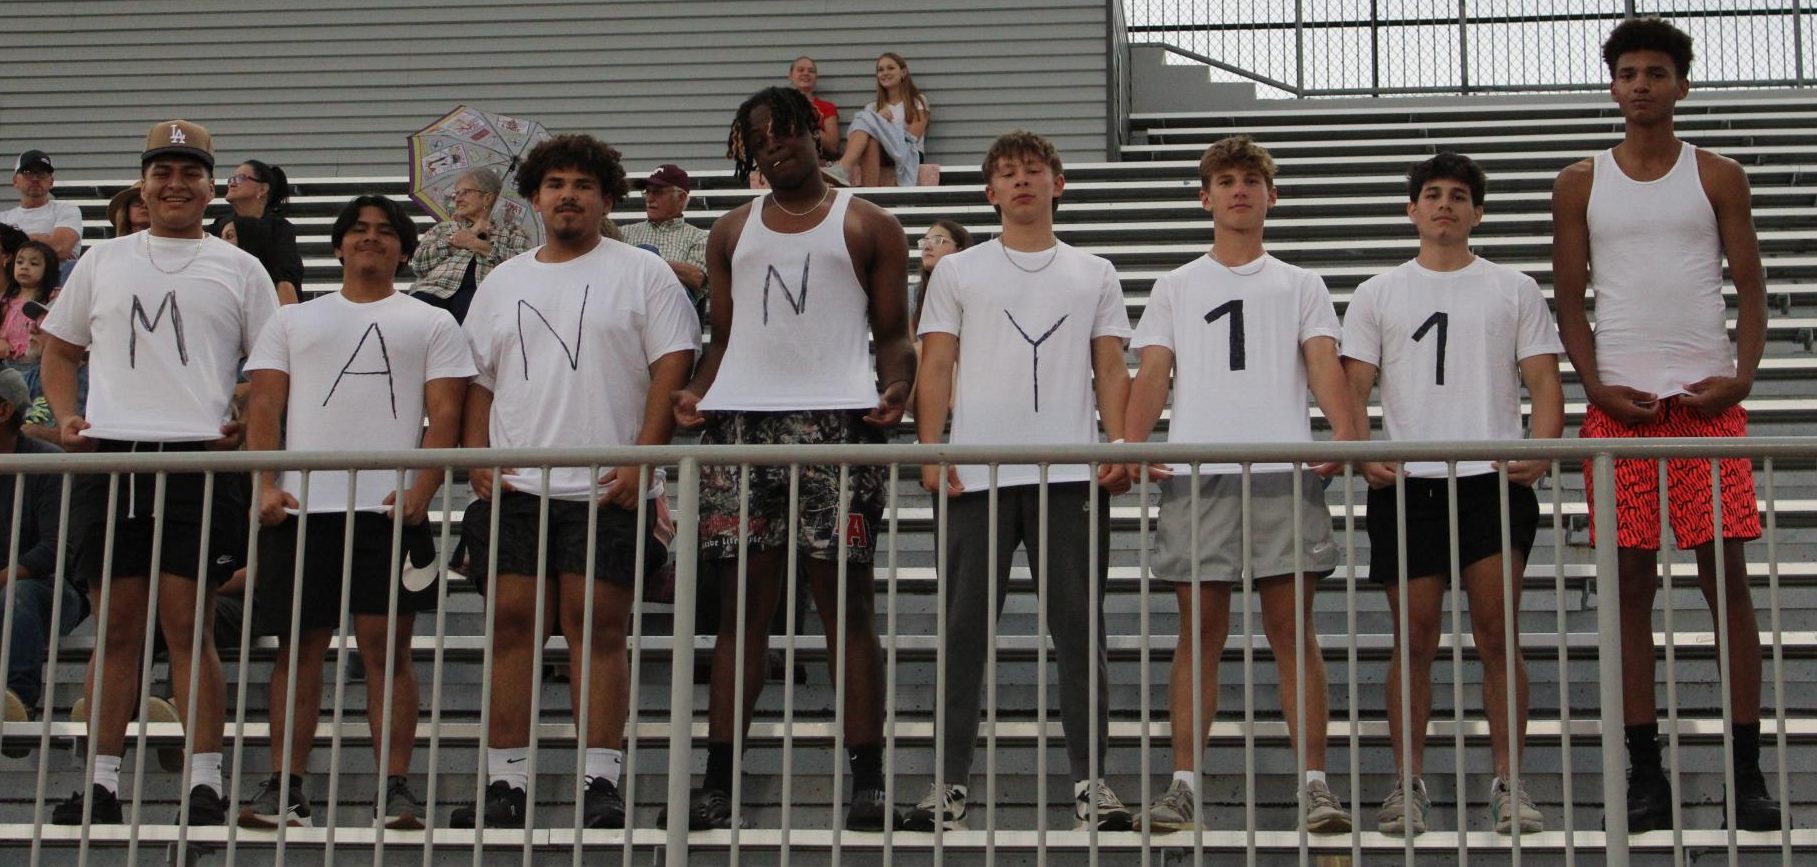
(942, 798)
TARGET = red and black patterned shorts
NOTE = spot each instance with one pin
(1687, 480)
(820, 528)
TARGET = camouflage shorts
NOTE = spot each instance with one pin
(820, 527)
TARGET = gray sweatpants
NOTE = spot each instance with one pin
(1071, 592)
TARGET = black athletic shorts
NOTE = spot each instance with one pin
(133, 522)
(368, 584)
(615, 554)
(1479, 525)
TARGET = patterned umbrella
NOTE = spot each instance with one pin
(467, 138)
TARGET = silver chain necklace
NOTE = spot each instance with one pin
(1024, 269)
(811, 209)
(154, 262)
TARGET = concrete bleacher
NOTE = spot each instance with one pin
(1341, 213)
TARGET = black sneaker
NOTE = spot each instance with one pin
(267, 811)
(870, 812)
(1649, 800)
(206, 807)
(1755, 809)
(708, 810)
(602, 805)
(106, 810)
(504, 808)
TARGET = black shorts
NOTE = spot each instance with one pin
(132, 521)
(1479, 525)
(615, 554)
(368, 585)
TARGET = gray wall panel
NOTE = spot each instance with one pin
(331, 87)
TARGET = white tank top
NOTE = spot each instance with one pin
(1656, 271)
(800, 330)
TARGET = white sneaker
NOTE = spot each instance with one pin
(1505, 805)
(944, 805)
(1324, 812)
(1112, 814)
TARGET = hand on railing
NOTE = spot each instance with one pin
(1114, 478)
(1380, 474)
(687, 409)
(416, 507)
(1711, 395)
(1525, 472)
(71, 434)
(1155, 472)
(930, 480)
(482, 482)
(229, 439)
(273, 500)
(1624, 404)
(890, 405)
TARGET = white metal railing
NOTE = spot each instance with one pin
(805, 818)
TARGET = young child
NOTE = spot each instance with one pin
(32, 277)
(1244, 336)
(1453, 336)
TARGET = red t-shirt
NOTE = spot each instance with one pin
(825, 109)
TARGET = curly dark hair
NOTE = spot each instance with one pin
(573, 151)
(790, 115)
(1449, 166)
(1648, 34)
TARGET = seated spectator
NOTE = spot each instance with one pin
(609, 229)
(887, 132)
(39, 214)
(30, 283)
(804, 74)
(456, 255)
(256, 190)
(126, 211)
(684, 247)
(35, 583)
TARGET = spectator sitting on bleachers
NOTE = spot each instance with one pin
(456, 255)
(804, 74)
(887, 132)
(32, 585)
(31, 279)
(256, 190)
(417, 363)
(39, 214)
(683, 246)
(126, 212)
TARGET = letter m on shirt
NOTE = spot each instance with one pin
(151, 324)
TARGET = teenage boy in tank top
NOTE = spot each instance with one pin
(1244, 337)
(801, 279)
(1655, 217)
(1453, 336)
(355, 370)
(165, 317)
(577, 343)
(1043, 327)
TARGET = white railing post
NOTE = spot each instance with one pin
(1608, 663)
(681, 659)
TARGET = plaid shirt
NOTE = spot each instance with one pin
(440, 265)
(675, 241)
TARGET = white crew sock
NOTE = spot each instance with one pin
(1189, 778)
(1315, 777)
(509, 764)
(604, 763)
(205, 770)
(107, 773)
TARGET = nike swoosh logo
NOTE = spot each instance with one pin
(514, 761)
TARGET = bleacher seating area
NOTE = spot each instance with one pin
(1341, 212)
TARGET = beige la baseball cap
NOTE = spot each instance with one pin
(179, 137)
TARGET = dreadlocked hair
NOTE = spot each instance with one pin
(790, 115)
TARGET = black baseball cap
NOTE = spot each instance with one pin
(33, 161)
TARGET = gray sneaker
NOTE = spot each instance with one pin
(1397, 818)
(1112, 814)
(1176, 810)
(943, 806)
(1324, 812)
(1504, 805)
(265, 812)
(403, 812)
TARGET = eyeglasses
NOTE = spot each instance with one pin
(236, 180)
(929, 242)
(461, 193)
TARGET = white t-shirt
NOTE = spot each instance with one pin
(42, 219)
(898, 116)
(357, 373)
(566, 351)
(1449, 346)
(1236, 335)
(1025, 372)
(166, 322)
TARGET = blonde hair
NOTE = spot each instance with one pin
(1238, 151)
(911, 95)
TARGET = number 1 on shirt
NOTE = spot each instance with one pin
(1239, 356)
(1442, 321)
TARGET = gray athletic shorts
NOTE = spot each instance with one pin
(1220, 527)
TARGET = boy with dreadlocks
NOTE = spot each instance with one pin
(801, 280)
